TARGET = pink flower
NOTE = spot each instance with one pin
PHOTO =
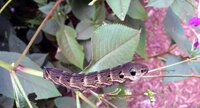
(195, 21)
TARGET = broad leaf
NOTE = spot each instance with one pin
(87, 50)
(41, 1)
(69, 46)
(160, 3)
(82, 10)
(65, 102)
(92, 98)
(47, 7)
(119, 7)
(183, 9)
(136, 10)
(195, 66)
(175, 31)
(31, 84)
(38, 58)
(100, 13)
(181, 69)
(60, 57)
(113, 44)
(141, 49)
(119, 102)
(31, 33)
(15, 44)
(6, 102)
(51, 27)
(84, 30)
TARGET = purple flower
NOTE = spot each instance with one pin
(195, 21)
(196, 44)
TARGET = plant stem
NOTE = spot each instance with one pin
(4, 6)
(78, 104)
(160, 68)
(36, 33)
(102, 99)
(85, 99)
(156, 76)
(19, 86)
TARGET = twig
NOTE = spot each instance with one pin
(36, 33)
(158, 55)
(85, 99)
(156, 76)
(4, 6)
(160, 68)
(102, 99)
(19, 86)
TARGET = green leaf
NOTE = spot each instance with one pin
(195, 66)
(92, 98)
(41, 1)
(87, 50)
(46, 8)
(119, 7)
(100, 13)
(15, 44)
(6, 102)
(65, 102)
(60, 57)
(136, 10)
(175, 31)
(84, 30)
(51, 27)
(30, 34)
(69, 46)
(120, 102)
(113, 44)
(86, 99)
(180, 69)
(141, 49)
(160, 3)
(81, 9)
(21, 100)
(44, 89)
(38, 58)
(183, 9)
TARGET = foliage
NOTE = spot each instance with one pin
(87, 36)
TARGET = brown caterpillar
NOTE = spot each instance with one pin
(119, 74)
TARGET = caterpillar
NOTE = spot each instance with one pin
(126, 72)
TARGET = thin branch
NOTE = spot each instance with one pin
(36, 33)
(19, 86)
(157, 76)
(187, 60)
(102, 99)
(158, 55)
(85, 99)
(4, 6)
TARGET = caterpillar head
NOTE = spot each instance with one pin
(134, 71)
